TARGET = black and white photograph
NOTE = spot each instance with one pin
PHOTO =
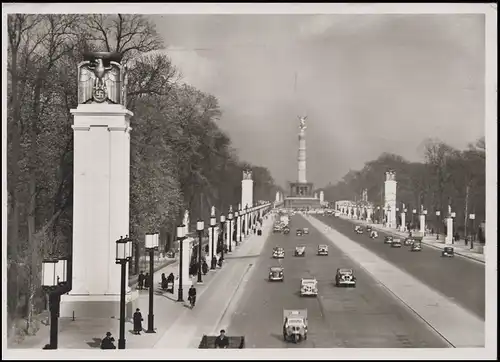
(178, 178)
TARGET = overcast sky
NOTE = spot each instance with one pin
(368, 83)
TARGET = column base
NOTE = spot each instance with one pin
(97, 306)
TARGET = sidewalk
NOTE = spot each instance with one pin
(169, 315)
(459, 246)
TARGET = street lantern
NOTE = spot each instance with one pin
(123, 252)
(438, 213)
(151, 245)
(213, 223)
(424, 212)
(414, 211)
(151, 241)
(54, 273)
(230, 234)
(180, 231)
(472, 217)
(200, 225)
(453, 214)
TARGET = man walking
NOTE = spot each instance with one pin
(140, 280)
(138, 321)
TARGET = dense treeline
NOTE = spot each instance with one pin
(180, 158)
(446, 177)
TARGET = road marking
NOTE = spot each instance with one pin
(455, 324)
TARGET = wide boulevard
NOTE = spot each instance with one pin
(365, 316)
(460, 279)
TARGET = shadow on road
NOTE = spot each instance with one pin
(96, 343)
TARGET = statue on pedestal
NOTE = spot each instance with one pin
(302, 125)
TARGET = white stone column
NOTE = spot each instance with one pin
(403, 222)
(277, 196)
(101, 189)
(390, 186)
(321, 197)
(239, 222)
(369, 213)
(422, 223)
(315, 195)
(449, 231)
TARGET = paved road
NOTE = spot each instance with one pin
(365, 316)
(460, 279)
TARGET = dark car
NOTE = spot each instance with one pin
(286, 230)
(299, 232)
(345, 277)
(300, 250)
(388, 239)
(276, 273)
(369, 228)
(448, 251)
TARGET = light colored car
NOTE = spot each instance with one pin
(358, 229)
(416, 247)
(305, 230)
(276, 273)
(300, 250)
(322, 249)
(345, 277)
(295, 325)
(308, 286)
(396, 243)
(278, 252)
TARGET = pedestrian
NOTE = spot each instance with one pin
(214, 262)
(140, 280)
(204, 267)
(222, 341)
(163, 281)
(192, 295)
(138, 321)
(146, 281)
(107, 342)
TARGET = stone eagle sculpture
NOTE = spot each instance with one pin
(102, 79)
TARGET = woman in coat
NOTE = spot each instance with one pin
(137, 321)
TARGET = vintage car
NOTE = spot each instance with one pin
(300, 250)
(448, 251)
(308, 286)
(278, 252)
(396, 243)
(345, 277)
(416, 246)
(408, 241)
(276, 273)
(286, 230)
(299, 232)
(373, 234)
(369, 228)
(305, 231)
(322, 249)
(277, 229)
(358, 229)
(295, 325)
(388, 240)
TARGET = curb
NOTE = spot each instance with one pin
(423, 242)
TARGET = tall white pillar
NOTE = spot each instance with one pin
(187, 245)
(247, 189)
(239, 222)
(390, 186)
(422, 223)
(277, 196)
(315, 195)
(403, 222)
(101, 189)
(301, 157)
(321, 197)
(449, 230)
(369, 213)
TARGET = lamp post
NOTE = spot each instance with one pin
(237, 222)
(213, 222)
(243, 224)
(54, 283)
(181, 235)
(123, 256)
(438, 217)
(414, 211)
(200, 226)
(230, 234)
(151, 244)
(397, 217)
(246, 220)
(472, 217)
(222, 226)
